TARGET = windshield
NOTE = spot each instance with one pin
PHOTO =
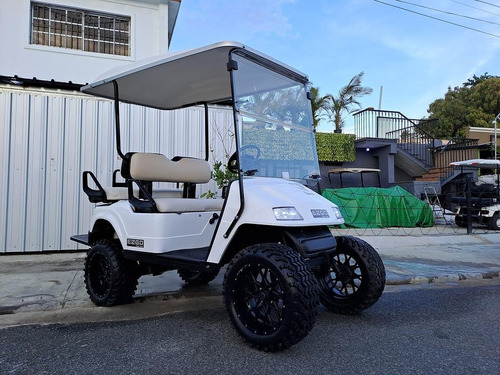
(274, 123)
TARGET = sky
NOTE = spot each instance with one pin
(409, 60)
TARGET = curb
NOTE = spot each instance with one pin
(442, 278)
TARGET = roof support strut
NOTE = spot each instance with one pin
(117, 120)
(207, 146)
(231, 67)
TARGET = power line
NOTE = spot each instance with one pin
(446, 12)
(485, 2)
(438, 19)
(476, 8)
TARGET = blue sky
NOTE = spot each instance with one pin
(414, 58)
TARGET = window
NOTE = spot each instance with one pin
(83, 30)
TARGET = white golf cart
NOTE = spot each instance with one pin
(484, 199)
(270, 229)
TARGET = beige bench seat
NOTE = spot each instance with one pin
(157, 167)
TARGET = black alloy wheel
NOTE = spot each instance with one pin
(353, 279)
(271, 296)
(109, 278)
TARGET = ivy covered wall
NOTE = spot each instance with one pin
(335, 147)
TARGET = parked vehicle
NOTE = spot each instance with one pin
(484, 200)
(270, 230)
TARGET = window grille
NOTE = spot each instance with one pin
(79, 29)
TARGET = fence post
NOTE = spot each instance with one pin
(468, 203)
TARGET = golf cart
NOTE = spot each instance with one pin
(270, 230)
(482, 199)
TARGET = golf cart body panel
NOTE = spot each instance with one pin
(153, 232)
(166, 232)
(262, 197)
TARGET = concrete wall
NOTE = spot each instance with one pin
(149, 37)
(371, 153)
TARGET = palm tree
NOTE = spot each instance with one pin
(345, 100)
(319, 105)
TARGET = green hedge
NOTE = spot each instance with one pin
(335, 147)
(282, 145)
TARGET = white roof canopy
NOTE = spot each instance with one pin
(177, 80)
(478, 163)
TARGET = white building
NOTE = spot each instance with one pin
(50, 132)
(73, 40)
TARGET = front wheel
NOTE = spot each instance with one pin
(353, 279)
(271, 296)
(109, 278)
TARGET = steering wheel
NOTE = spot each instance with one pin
(232, 164)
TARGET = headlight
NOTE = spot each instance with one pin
(286, 213)
(337, 213)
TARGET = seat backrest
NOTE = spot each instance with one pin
(157, 167)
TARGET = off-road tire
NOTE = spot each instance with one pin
(271, 296)
(354, 279)
(109, 278)
(192, 277)
(493, 223)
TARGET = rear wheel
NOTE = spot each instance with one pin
(192, 277)
(109, 278)
(494, 222)
(271, 296)
(461, 221)
(353, 279)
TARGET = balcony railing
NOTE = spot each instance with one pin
(412, 135)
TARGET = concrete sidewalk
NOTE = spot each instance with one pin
(42, 288)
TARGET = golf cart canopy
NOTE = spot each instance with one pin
(478, 163)
(177, 80)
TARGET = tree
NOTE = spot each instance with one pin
(345, 100)
(319, 105)
(475, 80)
(475, 103)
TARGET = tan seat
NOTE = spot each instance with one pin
(157, 167)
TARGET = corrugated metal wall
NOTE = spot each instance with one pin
(48, 139)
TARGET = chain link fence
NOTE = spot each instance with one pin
(466, 208)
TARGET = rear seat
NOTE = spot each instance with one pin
(149, 167)
(111, 194)
(119, 190)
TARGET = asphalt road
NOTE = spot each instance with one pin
(431, 329)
